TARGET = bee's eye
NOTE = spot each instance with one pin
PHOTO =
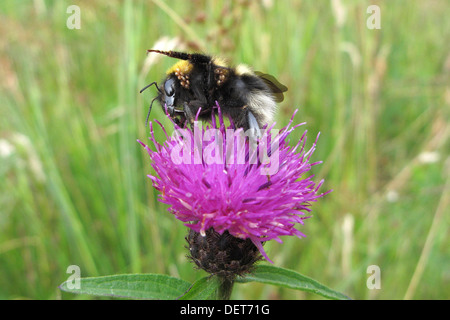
(169, 87)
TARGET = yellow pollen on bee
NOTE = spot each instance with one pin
(181, 67)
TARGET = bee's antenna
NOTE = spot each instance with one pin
(149, 110)
(148, 86)
(173, 54)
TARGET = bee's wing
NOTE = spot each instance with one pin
(274, 85)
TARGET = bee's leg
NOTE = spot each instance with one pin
(253, 125)
(191, 110)
(189, 113)
(253, 136)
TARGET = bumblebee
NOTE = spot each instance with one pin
(194, 84)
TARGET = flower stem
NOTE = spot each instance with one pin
(225, 288)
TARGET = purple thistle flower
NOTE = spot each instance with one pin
(238, 197)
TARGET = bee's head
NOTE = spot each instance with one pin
(176, 88)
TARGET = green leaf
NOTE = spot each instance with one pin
(133, 286)
(291, 279)
(203, 289)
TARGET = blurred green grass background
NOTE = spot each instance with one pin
(73, 185)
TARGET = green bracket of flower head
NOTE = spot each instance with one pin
(203, 289)
(158, 286)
